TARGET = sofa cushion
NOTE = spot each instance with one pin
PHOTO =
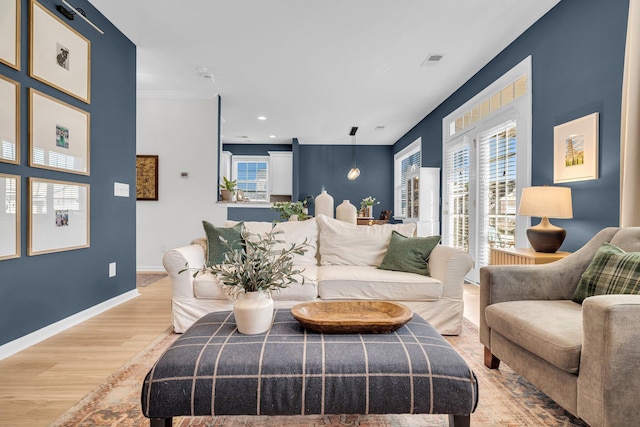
(612, 271)
(409, 254)
(552, 330)
(207, 286)
(366, 282)
(216, 248)
(341, 243)
(296, 232)
(259, 228)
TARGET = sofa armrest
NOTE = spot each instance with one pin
(178, 259)
(608, 380)
(450, 266)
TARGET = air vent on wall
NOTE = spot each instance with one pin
(432, 60)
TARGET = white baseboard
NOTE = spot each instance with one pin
(149, 269)
(15, 346)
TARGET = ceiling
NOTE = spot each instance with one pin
(314, 69)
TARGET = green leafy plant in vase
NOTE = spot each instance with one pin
(228, 189)
(249, 275)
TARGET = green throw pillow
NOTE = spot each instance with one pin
(409, 254)
(612, 271)
(217, 248)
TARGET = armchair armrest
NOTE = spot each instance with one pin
(178, 259)
(450, 266)
(608, 378)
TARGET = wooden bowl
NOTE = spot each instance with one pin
(352, 317)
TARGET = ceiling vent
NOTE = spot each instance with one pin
(432, 60)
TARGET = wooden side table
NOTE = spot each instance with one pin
(371, 221)
(526, 256)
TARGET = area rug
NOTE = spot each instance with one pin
(145, 279)
(505, 399)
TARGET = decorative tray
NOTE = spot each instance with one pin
(352, 317)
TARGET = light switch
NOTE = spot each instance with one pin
(120, 189)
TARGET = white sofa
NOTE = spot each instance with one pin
(342, 264)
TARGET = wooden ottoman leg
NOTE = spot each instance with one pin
(161, 422)
(459, 420)
(490, 361)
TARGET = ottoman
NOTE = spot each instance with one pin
(214, 370)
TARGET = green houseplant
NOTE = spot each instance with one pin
(228, 189)
(288, 209)
(249, 275)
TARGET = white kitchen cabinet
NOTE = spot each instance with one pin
(281, 173)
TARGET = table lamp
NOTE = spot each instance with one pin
(546, 202)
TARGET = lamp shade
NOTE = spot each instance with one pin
(546, 201)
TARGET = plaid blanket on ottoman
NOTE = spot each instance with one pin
(213, 370)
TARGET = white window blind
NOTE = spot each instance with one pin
(403, 161)
(497, 189)
(457, 203)
(8, 151)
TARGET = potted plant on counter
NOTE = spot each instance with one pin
(228, 190)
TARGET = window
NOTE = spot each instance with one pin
(402, 162)
(486, 162)
(252, 174)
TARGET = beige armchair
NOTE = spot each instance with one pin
(585, 357)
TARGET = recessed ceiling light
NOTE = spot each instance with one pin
(262, 118)
(272, 136)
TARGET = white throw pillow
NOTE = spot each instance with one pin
(295, 232)
(341, 243)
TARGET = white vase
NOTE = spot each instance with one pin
(253, 312)
(324, 204)
(347, 212)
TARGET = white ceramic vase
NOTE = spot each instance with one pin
(253, 312)
(347, 212)
(324, 204)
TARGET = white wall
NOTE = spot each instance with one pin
(183, 133)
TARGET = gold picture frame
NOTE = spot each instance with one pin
(59, 55)
(10, 197)
(9, 120)
(575, 150)
(59, 217)
(146, 177)
(10, 33)
(59, 135)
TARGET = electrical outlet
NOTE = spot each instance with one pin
(112, 269)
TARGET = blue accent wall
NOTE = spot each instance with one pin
(577, 52)
(36, 291)
(325, 167)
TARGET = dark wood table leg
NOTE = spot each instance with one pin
(490, 361)
(161, 422)
(459, 420)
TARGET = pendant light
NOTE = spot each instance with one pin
(354, 172)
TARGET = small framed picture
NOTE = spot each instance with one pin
(58, 135)
(146, 177)
(58, 216)
(575, 146)
(10, 33)
(10, 216)
(9, 120)
(59, 55)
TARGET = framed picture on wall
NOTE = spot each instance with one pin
(9, 120)
(58, 135)
(575, 150)
(10, 216)
(10, 33)
(146, 177)
(58, 216)
(59, 55)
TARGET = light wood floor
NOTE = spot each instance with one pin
(42, 382)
